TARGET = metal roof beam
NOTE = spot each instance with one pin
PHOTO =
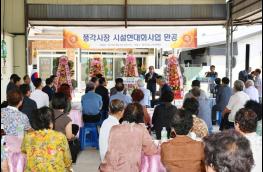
(120, 2)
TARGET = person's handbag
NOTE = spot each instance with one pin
(225, 124)
(74, 146)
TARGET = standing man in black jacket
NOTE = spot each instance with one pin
(104, 93)
(14, 82)
(150, 79)
(222, 98)
(49, 88)
(28, 104)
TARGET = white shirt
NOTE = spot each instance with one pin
(258, 84)
(256, 147)
(252, 92)
(120, 96)
(104, 134)
(146, 99)
(40, 97)
(236, 102)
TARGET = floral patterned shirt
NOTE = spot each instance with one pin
(46, 151)
(14, 121)
(199, 127)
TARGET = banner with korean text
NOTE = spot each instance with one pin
(137, 37)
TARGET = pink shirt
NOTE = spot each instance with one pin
(126, 144)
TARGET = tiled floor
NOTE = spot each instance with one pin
(88, 161)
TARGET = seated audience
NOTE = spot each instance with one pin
(14, 121)
(118, 158)
(195, 83)
(45, 149)
(14, 82)
(113, 90)
(163, 114)
(48, 88)
(65, 89)
(257, 108)
(137, 95)
(251, 90)
(116, 113)
(236, 102)
(147, 94)
(182, 153)
(199, 125)
(63, 122)
(246, 124)
(204, 109)
(227, 151)
(222, 98)
(120, 95)
(104, 93)
(40, 97)
(91, 104)
(28, 104)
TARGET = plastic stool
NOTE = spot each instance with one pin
(89, 136)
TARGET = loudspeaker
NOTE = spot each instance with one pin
(234, 62)
(247, 55)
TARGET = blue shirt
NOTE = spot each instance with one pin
(120, 96)
(222, 97)
(91, 103)
(204, 112)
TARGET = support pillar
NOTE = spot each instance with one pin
(229, 42)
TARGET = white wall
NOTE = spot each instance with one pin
(255, 57)
(220, 63)
(8, 69)
(255, 54)
(14, 16)
(20, 55)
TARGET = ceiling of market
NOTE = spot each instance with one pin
(141, 12)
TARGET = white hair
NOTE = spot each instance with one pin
(250, 82)
(140, 83)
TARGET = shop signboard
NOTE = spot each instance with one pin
(134, 37)
(44, 67)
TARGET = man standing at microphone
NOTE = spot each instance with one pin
(150, 79)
